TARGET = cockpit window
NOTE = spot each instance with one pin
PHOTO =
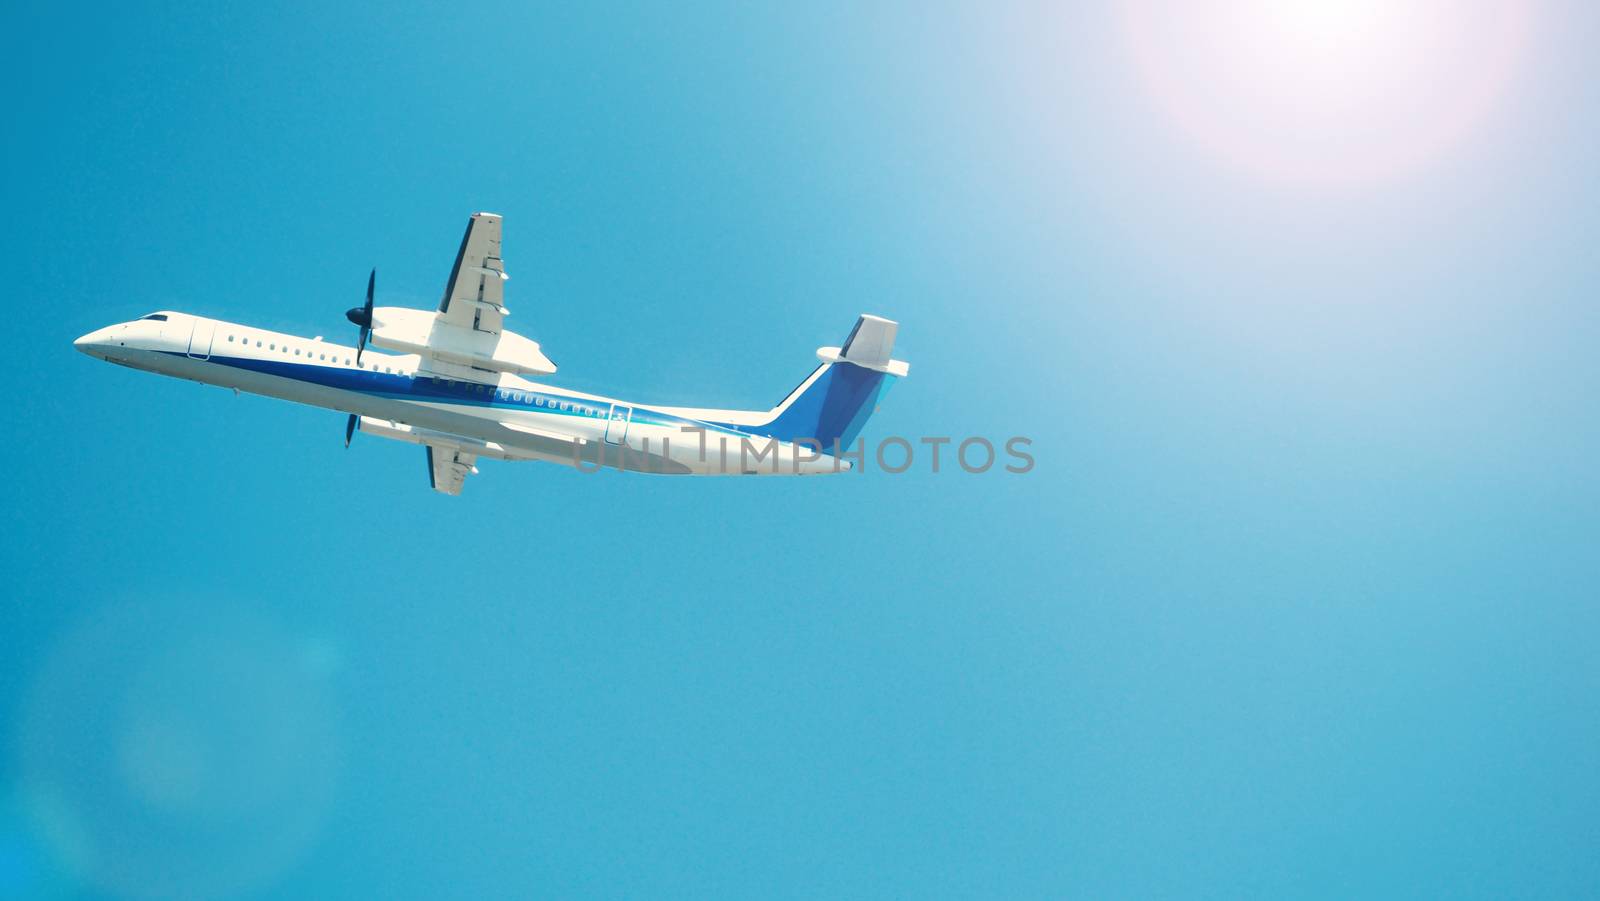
(159, 317)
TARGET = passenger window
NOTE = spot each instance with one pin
(230, 339)
(272, 347)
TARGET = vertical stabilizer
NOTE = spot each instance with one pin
(834, 402)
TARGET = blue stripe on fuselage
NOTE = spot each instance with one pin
(430, 389)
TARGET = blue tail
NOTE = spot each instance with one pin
(833, 403)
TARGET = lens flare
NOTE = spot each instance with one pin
(1327, 92)
(178, 749)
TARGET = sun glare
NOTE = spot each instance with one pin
(1325, 22)
(1326, 91)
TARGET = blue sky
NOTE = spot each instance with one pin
(1298, 601)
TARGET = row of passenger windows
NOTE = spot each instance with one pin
(323, 356)
(516, 396)
(535, 400)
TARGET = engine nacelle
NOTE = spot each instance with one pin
(426, 333)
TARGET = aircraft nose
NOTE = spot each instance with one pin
(90, 343)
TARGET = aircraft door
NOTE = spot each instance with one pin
(200, 338)
(617, 425)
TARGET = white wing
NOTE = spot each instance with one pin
(465, 339)
(474, 296)
(448, 468)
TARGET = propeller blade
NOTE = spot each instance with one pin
(349, 429)
(362, 315)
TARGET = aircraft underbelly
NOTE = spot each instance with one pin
(473, 421)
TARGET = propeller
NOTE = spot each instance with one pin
(362, 316)
(349, 429)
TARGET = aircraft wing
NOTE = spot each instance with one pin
(448, 468)
(465, 338)
(473, 298)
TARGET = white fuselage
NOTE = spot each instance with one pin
(499, 416)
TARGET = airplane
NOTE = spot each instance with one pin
(458, 386)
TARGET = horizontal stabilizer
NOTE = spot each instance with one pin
(869, 346)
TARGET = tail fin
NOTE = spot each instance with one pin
(833, 403)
